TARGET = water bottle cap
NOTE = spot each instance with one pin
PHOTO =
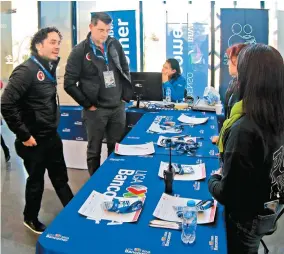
(191, 203)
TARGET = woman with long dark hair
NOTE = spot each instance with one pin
(173, 80)
(251, 183)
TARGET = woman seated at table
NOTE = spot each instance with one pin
(250, 184)
(172, 79)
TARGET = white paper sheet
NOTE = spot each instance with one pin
(93, 210)
(199, 172)
(157, 129)
(185, 139)
(165, 211)
(192, 120)
(143, 149)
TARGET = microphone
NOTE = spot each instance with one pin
(138, 89)
(169, 174)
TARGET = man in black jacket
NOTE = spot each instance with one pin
(30, 107)
(97, 77)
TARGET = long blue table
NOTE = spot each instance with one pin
(72, 233)
(205, 131)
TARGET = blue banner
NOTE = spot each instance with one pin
(124, 29)
(188, 43)
(240, 26)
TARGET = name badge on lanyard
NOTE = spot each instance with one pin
(108, 75)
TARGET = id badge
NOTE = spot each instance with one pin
(109, 79)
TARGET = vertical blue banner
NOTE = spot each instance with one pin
(124, 29)
(188, 43)
(240, 26)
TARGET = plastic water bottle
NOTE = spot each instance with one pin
(189, 223)
(168, 95)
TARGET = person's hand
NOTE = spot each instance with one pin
(30, 142)
(217, 172)
(165, 77)
(215, 139)
(93, 108)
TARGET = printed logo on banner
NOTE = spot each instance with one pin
(240, 34)
(58, 237)
(248, 26)
(64, 114)
(123, 28)
(79, 138)
(189, 44)
(66, 130)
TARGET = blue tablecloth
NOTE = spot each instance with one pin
(86, 236)
(73, 233)
(139, 133)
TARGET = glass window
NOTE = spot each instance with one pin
(6, 41)
(58, 14)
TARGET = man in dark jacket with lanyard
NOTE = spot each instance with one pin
(97, 77)
(30, 107)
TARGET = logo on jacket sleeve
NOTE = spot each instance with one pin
(88, 56)
(40, 76)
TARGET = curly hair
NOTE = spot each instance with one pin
(41, 35)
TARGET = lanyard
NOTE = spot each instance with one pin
(46, 72)
(95, 52)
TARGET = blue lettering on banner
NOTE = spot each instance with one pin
(123, 28)
(240, 26)
(188, 43)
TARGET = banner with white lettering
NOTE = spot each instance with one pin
(188, 43)
(240, 26)
(124, 29)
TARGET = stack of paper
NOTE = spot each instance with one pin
(155, 127)
(139, 150)
(198, 174)
(165, 210)
(192, 120)
(92, 208)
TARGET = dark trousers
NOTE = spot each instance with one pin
(5, 148)
(244, 236)
(48, 154)
(97, 123)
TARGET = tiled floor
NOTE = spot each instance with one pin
(16, 239)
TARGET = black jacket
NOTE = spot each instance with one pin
(253, 170)
(28, 103)
(84, 80)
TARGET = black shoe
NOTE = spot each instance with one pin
(35, 225)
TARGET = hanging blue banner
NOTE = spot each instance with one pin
(240, 26)
(188, 43)
(124, 29)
